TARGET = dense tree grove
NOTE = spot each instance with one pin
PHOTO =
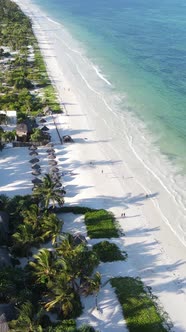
(52, 280)
(24, 84)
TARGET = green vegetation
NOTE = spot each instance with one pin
(109, 252)
(101, 224)
(51, 99)
(25, 86)
(139, 308)
(53, 279)
(74, 209)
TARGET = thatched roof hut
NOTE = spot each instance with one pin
(22, 131)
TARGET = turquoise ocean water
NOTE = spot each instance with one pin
(140, 47)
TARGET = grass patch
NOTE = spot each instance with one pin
(100, 224)
(51, 98)
(139, 309)
(109, 252)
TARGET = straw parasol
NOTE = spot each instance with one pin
(50, 150)
(55, 169)
(36, 171)
(36, 181)
(58, 184)
(32, 147)
(42, 120)
(56, 178)
(51, 156)
(34, 161)
(45, 128)
(52, 162)
(33, 153)
(36, 166)
(50, 144)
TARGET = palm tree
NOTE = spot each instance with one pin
(77, 260)
(47, 192)
(26, 320)
(62, 296)
(51, 226)
(43, 266)
(31, 215)
(92, 286)
(23, 239)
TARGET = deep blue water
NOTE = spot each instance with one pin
(140, 47)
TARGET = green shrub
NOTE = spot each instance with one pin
(109, 252)
(73, 209)
(101, 224)
(139, 309)
(68, 325)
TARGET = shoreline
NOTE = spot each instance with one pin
(95, 188)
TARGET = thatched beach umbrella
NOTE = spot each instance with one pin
(45, 128)
(55, 169)
(32, 147)
(34, 161)
(36, 181)
(52, 162)
(56, 178)
(55, 175)
(42, 120)
(36, 172)
(50, 144)
(50, 150)
(51, 156)
(36, 166)
(33, 153)
(58, 184)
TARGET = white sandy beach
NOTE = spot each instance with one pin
(97, 176)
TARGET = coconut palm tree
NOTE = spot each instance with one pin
(47, 192)
(26, 320)
(78, 261)
(62, 297)
(23, 239)
(43, 266)
(31, 215)
(51, 226)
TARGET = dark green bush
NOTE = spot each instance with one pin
(109, 252)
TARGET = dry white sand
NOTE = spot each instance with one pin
(93, 178)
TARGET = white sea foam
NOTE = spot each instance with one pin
(97, 70)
